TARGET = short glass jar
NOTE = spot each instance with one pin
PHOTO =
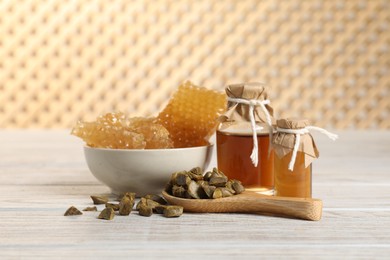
(294, 152)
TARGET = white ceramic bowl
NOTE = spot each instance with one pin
(143, 171)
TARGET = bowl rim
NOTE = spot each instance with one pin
(210, 145)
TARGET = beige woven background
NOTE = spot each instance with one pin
(65, 60)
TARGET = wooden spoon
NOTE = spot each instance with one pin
(251, 202)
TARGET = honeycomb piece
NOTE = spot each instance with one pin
(156, 135)
(191, 115)
(109, 131)
(115, 130)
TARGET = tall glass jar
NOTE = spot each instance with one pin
(244, 137)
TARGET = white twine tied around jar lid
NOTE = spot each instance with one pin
(298, 133)
(252, 103)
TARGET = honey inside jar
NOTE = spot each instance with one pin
(233, 156)
(296, 183)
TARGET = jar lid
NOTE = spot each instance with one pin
(284, 143)
(238, 111)
(292, 123)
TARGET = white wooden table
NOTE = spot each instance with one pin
(42, 173)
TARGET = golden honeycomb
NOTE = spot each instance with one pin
(116, 131)
(156, 135)
(191, 114)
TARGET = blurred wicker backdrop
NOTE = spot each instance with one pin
(61, 61)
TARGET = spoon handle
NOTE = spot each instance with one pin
(304, 208)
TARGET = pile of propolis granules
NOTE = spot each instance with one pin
(194, 185)
(188, 120)
(146, 206)
(190, 184)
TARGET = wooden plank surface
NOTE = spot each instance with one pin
(42, 173)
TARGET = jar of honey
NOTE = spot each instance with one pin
(295, 150)
(244, 137)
